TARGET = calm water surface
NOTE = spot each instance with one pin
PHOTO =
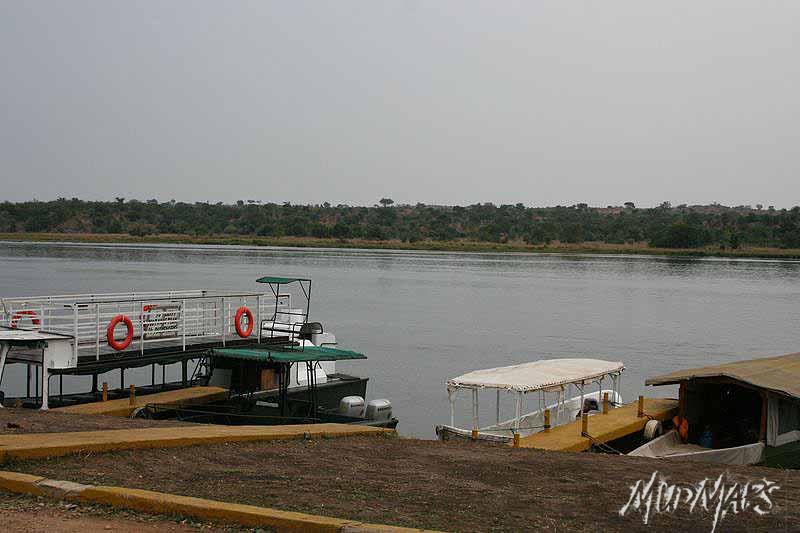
(422, 317)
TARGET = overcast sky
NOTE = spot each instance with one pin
(437, 102)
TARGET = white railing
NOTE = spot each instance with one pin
(177, 318)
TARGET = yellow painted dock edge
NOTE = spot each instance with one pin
(163, 503)
(38, 445)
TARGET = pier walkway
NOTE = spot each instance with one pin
(618, 423)
(123, 406)
(36, 445)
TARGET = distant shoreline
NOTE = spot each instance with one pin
(447, 246)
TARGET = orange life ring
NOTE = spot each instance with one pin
(243, 311)
(114, 343)
(16, 317)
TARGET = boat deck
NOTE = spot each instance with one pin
(618, 423)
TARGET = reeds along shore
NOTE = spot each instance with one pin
(448, 246)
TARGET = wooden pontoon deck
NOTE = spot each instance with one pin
(618, 423)
(123, 406)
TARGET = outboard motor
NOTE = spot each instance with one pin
(379, 410)
(352, 406)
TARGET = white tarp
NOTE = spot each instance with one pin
(670, 445)
(537, 375)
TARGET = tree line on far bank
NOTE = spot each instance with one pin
(664, 226)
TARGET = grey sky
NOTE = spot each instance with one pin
(438, 102)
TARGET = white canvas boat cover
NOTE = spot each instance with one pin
(670, 445)
(538, 375)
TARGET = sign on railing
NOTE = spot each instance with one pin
(159, 321)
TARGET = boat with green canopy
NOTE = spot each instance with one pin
(289, 376)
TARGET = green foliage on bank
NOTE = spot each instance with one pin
(662, 227)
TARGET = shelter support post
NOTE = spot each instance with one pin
(764, 413)
(4, 348)
(517, 412)
(45, 383)
(582, 394)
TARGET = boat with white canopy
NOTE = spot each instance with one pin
(563, 388)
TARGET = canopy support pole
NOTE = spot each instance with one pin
(451, 395)
(599, 391)
(498, 406)
(518, 413)
(580, 412)
(475, 408)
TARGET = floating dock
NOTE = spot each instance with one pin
(602, 428)
(91, 334)
(123, 406)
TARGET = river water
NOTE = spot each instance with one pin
(422, 317)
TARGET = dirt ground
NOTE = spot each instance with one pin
(41, 515)
(33, 421)
(448, 486)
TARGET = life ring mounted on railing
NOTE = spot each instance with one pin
(237, 322)
(25, 313)
(124, 343)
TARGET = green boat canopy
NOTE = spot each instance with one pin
(277, 279)
(287, 354)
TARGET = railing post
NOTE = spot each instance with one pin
(547, 420)
(605, 403)
(75, 325)
(141, 328)
(516, 439)
(183, 323)
(97, 330)
(585, 424)
(105, 391)
(224, 321)
(133, 395)
(640, 410)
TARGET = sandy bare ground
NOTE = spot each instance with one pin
(14, 421)
(450, 486)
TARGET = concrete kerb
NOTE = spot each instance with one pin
(162, 503)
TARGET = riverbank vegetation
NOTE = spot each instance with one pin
(693, 230)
